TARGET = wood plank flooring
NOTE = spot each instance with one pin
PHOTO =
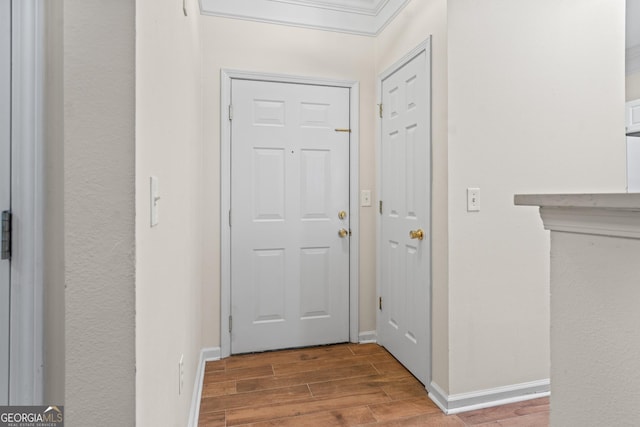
(337, 385)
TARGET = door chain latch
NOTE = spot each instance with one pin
(6, 235)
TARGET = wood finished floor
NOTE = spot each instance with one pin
(337, 385)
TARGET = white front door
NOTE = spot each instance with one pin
(405, 177)
(289, 200)
(5, 187)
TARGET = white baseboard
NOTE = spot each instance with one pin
(206, 355)
(366, 337)
(463, 402)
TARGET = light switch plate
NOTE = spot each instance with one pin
(473, 199)
(365, 198)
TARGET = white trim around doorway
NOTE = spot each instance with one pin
(26, 385)
(226, 76)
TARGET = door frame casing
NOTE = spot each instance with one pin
(226, 77)
(5, 190)
(26, 385)
(425, 46)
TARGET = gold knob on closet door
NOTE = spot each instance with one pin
(417, 234)
(343, 233)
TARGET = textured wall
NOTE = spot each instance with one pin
(99, 211)
(53, 268)
(595, 335)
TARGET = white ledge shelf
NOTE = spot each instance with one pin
(606, 214)
(602, 200)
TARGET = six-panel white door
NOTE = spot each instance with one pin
(403, 321)
(289, 184)
(5, 187)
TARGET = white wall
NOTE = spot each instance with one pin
(633, 86)
(252, 46)
(169, 259)
(536, 93)
(414, 24)
(99, 212)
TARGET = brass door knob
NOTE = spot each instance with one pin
(343, 233)
(417, 234)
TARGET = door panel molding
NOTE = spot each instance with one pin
(424, 47)
(226, 77)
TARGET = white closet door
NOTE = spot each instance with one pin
(403, 321)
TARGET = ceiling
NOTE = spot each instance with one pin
(364, 17)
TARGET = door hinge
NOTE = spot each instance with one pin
(6, 235)
(380, 108)
(380, 303)
(229, 217)
(380, 207)
(230, 323)
(230, 112)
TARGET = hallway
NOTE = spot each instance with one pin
(338, 385)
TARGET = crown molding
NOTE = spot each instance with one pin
(361, 17)
(364, 7)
